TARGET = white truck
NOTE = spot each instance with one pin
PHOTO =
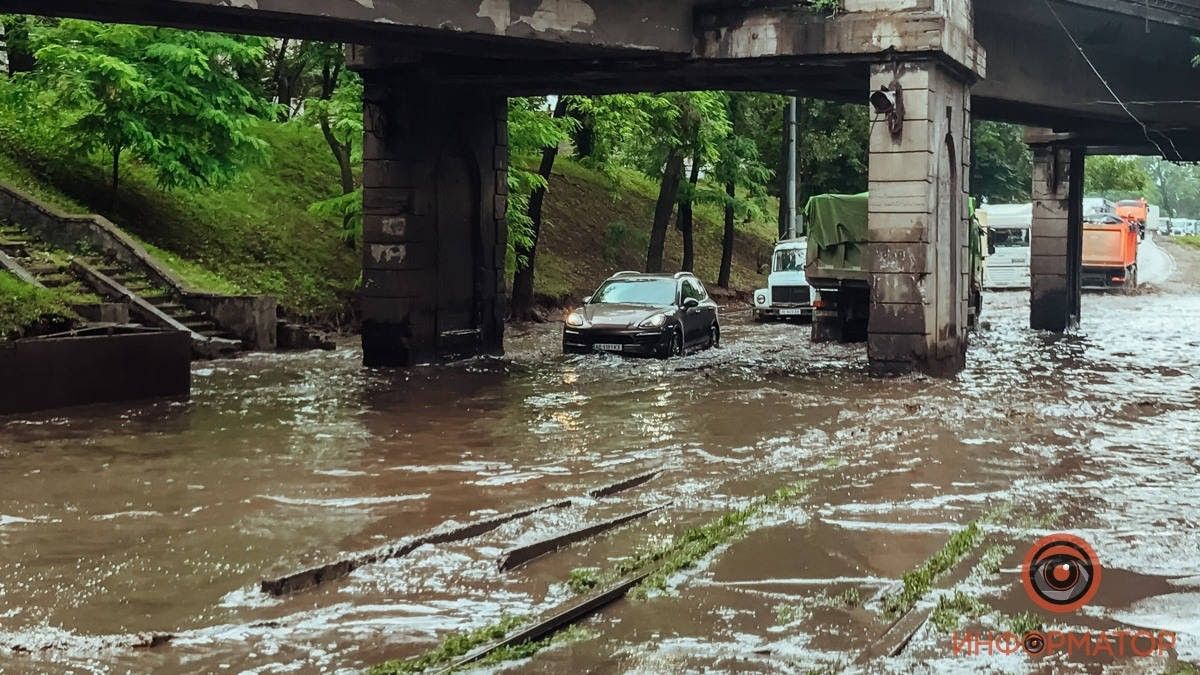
(787, 295)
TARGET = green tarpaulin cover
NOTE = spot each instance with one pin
(837, 230)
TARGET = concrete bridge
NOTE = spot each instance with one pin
(1105, 75)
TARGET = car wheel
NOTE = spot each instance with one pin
(676, 347)
(714, 336)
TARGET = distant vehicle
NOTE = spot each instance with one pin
(644, 314)
(1007, 265)
(837, 271)
(1110, 252)
(787, 295)
(1136, 211)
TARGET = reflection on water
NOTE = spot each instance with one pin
(117, 521)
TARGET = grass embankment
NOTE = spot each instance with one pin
(254, 235)
(1188, 240)
(26, 309)
(598, 224)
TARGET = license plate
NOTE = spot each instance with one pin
(791, 312)
(609, 347)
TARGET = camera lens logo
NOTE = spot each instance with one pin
(1061, 573)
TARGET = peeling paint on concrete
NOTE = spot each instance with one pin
(369, 4)
(385, 254)
(562, 16)
(499, 11)
(246, 4)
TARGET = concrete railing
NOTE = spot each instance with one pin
(251, 318)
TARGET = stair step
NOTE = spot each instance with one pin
(217, 334)
(42, 268)
(171, 308)
(185, 317)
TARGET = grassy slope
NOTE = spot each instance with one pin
(254, 235)
(595, 227)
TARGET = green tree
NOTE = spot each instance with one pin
(1176, 187)
(738, 166)
(169, 98)
(1001, 166)
(1115, 177)
(534, 135)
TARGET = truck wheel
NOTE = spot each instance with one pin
(1131, 280)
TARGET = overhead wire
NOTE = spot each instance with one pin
(1145, 128)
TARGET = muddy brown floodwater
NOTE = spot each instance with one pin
(117, 523)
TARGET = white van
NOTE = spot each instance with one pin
(1008, 227)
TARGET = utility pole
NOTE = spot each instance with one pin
(790, 193)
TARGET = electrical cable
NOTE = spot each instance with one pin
(1145, 129)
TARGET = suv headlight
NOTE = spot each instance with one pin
(575, 320)
(656, 321)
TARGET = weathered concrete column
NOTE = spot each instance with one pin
(434, 195)
(918, 253)
(1056, 236)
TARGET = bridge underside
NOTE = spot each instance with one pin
(1114, 74)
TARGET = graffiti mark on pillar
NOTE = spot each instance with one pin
(499, 11)
(387, 254)
(395, 225)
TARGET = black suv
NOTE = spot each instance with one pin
(644, 314)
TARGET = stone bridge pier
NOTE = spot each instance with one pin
(434, 196)
(918, 244)
(1056, 233)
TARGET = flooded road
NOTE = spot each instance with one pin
(121, 523)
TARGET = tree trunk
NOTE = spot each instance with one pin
(341, 152)
(116, 178)
(685, 222)
(522, 293)
(281, 89)
(16, 44)
(727, 240)
(668, 193)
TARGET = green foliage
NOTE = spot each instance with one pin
(918, 582)
(451, 648)
(24, 307)
(531, 129)
(685, 551)
(1002, 166)
(1175, 187)
(347, 209)
(1190, 240)
(254, 233)
(1025, 622)
(1115, 177)
(171, 98)
(952, 609)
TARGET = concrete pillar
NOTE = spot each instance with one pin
(1056, 237)
(434, 195)
(919, 249)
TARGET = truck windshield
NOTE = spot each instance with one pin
(1009, 237)
(636, 292)
(790, 260)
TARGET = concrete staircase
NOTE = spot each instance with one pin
(45, 267)
(161, 297)
(104, 290)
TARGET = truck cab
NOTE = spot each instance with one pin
(787, 295)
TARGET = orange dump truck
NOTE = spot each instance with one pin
(1110, 250)
(1136, 211)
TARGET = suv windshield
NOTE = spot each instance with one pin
(790, 260)
(636, 292)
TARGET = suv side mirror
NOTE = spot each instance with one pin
(691, 303)
(587, 299)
